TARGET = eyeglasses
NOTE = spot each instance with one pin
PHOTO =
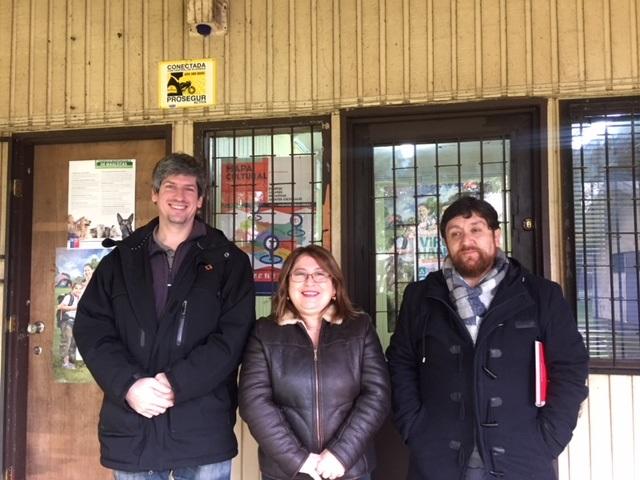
(300, 276)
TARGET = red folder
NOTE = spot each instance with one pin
(541, 374)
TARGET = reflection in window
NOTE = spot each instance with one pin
(413, 184)
(268, 195)
(606, 184)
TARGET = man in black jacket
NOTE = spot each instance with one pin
(162, 326)
(463, 365)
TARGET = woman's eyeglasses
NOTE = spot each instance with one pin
(300, 276)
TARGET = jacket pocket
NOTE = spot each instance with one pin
(118, 421)
(202, 414)
(552, 446)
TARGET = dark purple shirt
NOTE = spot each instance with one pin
(165, 263)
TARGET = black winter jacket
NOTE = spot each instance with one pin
(197, 342)
(298, 400)
(448, 393)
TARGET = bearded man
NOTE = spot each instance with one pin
(463, 361)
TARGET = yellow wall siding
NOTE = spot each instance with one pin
(604, 444)
(77, 63)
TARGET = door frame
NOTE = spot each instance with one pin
(18, 272)
(358, 234)
(357, 230)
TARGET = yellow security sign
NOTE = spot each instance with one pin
(187, 83)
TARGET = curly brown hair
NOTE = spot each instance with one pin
(344, 309)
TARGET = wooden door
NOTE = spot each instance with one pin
(62, 418)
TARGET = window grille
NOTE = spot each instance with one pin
(269, 192)
(413, 185)
(605, 174)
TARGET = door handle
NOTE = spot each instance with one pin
(528, 224)
(34, 328)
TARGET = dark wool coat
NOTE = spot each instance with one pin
(197, 341)
(297, 399)
(448, 393)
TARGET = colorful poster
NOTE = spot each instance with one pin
(272, 213)
(101, 201)
(74, 268)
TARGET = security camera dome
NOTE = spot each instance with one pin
(204, 29)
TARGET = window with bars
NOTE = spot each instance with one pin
(605, 177)
(413, 184)
(269, 193)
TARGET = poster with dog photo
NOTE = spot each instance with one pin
(74, 269)
(101, 201)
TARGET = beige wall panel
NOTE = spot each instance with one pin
(76, 55)
(309, 55)
(595, 41)
(394, 51)
(465, 52)
(95, 65)
(237, 54)
(57, 52)
(249, 458)
(418, 33)
(176, 29)
(442, 48)
(622, 427)
(20, 68)
(349, 70)
(304, 64)
(8, 52)
(517, 54)
(134, 87)
(636, 426)
(574, 461)
(570, 50)
(371, 48)
(259, 52)
(541, 50)
(324, 50)
(491, 61)
(154, 50)
(281, 51)
(623, 39)
(194, 44)
(38, 54)
(600, 427)
(114, 56)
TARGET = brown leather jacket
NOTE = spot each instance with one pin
(298, 400)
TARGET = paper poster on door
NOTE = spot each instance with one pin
(271, 213)
(101, 201)
(74, 268)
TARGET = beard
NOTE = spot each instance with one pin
(473, 267)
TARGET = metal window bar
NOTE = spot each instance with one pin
(635, 212)
(439, 164)
(610, 244)
(234, 153)
(623, 341)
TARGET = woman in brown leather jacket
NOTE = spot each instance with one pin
(314, 386)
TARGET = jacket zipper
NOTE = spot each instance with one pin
(317, 381)
(181, 322)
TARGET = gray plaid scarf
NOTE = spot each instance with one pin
(472, 302)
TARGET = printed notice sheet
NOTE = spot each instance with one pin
(101, 201)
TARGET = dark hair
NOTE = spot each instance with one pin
(344, 309)
(466, 206)
(179, 164)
